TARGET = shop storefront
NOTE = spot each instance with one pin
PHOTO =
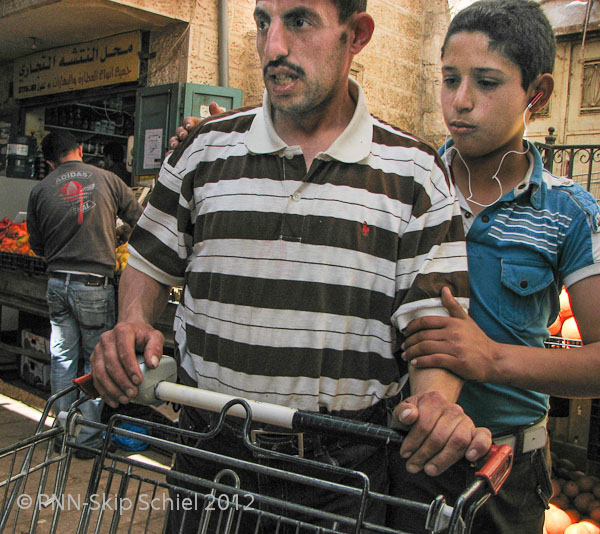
(88, 89)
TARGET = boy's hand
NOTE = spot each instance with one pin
(188, 125)
(455, 343)
(440, 434)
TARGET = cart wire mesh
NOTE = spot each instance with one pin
(45, 489)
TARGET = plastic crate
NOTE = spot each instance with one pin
(555, 342)
(22, 262)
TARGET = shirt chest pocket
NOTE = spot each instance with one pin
(525, 286)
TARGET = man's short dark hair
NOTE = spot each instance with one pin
(115, 151)
(347, 8)
(58, 144)
(518, 29)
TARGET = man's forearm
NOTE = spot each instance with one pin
(424, 380)
(141, 298)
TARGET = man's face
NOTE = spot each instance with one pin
(304, 53)
(482, 97)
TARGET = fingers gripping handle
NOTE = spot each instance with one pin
(166, 371)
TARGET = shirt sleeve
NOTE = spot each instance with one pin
(432, 253)
(579, 256)
(128, 209)
(160, 242)
(36, 241)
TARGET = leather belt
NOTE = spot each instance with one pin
(525, 439)
(299, 444)
(87, 279)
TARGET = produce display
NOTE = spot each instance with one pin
(575, 504)
(565, 324)
(122, 257)
(14, 237)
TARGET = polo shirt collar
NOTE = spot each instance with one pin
(352, 145)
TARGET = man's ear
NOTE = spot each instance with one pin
(544, 85)
(363, 25)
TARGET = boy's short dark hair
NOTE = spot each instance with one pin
(518, 29)
(58, 144)
(347, 8)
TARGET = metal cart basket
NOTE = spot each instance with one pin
(38, 477)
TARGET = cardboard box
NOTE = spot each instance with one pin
(32, 341)
(35, 372)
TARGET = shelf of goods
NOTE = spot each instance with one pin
(94, 124)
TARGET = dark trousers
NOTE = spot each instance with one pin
(517, 509)
(330, 452)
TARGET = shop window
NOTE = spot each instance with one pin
(590, 97)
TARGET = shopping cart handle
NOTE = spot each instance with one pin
(166, 371)
(497, 466)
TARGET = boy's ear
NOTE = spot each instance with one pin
(544, 85)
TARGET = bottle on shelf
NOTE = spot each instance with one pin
(78, 122)
(85, 123)
(70, 118)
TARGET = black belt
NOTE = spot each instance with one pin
(87, 279)
(286, 441)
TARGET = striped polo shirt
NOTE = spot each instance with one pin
(298, 283)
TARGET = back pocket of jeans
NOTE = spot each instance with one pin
(95, 313)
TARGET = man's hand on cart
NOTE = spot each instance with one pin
(115, 370)
(439, 434)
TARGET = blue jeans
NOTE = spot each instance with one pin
(335, 452)
(79, 314)
(517, 509)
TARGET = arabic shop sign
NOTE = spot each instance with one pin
(82, 66)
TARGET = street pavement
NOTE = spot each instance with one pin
(38, 505)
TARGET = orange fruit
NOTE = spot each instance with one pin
(565, 304)
(571, 489)
(556, 520)
(554, 328)
(595, 514)
(570, 329)
(592, 526)
(576, 528)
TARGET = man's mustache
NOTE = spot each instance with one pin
(282, 62)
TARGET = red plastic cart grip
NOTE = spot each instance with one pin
(497, 466)
(86, 384)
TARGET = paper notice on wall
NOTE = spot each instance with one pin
(153, 148)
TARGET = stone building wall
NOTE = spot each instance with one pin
(399, 69)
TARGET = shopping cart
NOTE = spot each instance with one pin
(129, 494)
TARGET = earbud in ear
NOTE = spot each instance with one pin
(535, 99)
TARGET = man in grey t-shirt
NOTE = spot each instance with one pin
(71, 219)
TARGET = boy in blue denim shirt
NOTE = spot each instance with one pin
(528, 234)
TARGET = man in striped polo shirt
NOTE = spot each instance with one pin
(307, 234)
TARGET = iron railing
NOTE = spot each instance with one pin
(580, 163)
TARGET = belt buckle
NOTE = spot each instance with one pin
(257, 432)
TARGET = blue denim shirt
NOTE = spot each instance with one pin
(521, 250)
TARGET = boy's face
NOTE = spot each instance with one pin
(482, 97)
